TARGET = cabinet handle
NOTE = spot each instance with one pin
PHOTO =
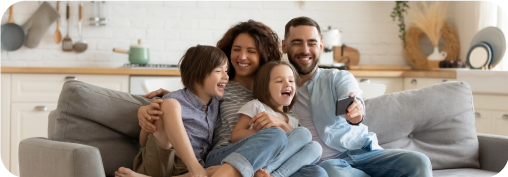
(505, 116)
(41, 108)
(71, 78)
(364, 80)
(477, 115)
(414, 81)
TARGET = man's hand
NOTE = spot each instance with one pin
(161, 92)
(149, 113)
(355, 111)
(264, 120)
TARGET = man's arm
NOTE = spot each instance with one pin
(346, 85)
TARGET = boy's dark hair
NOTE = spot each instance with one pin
(198, 62)
(261, 90)
(300, 21)
(267, 42)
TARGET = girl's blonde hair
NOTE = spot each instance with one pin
(262, 82)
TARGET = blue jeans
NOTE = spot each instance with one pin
(299, 152)
(388, 162)
(250, 153)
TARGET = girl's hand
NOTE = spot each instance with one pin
(355, 111)
(161, 92)
(264, 120)
(149, 113)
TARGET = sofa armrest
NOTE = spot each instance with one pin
(493, 152)
(45, 158)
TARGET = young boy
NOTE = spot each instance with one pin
(185, 129)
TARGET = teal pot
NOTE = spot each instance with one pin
(138, 54)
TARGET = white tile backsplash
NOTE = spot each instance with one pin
(171, 27)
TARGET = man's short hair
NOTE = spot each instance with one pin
(300, 21)
(198, 62)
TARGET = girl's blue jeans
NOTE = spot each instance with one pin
(267, 148)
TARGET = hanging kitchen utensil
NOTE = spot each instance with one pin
(58, 35)
(81, 45)
(67, 41)
(37, 25)
(13, 35)
(138, 54)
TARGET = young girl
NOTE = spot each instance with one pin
(184, 131)
(274, 90)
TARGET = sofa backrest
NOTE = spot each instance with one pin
(99, 117)
(437, 120)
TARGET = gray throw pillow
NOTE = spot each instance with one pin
(99, 117)
(437, 120)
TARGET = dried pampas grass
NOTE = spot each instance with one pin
(430, 18)
(415, 57)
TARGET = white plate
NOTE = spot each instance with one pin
(495, 37)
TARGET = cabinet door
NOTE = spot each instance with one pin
(500, 122)
(27, 120)
(432, 81)
(483, 121)
(35, 88)
(392, 84)
(5, 121)
(414, 83)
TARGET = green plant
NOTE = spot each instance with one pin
(398, 10)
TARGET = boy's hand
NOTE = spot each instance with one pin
(355, 111)
(149, 113)
(161, 92)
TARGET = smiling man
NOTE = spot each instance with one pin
(348, 148)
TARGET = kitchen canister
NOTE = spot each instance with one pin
(331, 38)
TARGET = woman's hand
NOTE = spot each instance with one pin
(264, 120)
(149, 113)
(355, 111)
(161, 92)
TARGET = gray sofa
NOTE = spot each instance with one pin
(94, 131)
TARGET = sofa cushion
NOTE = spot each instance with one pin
(463, 172)
(437, 120)
(99, 117)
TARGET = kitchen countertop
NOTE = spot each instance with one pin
(174, 72)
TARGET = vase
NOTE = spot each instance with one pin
(434, 58)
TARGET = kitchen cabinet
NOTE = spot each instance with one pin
(47, 87)
(491, 112)
(500, 122)
(483, 121)
(418, 83)
(393, 84)
(5, 121)
(27, 120)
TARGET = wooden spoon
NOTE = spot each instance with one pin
(58, 35)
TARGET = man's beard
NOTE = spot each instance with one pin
(299, 69)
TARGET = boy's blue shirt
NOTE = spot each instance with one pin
(325, 87)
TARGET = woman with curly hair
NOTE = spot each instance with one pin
(248, 46)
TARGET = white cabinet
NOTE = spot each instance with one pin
(500, 120)
(47, 87)
(491, 112)
(483, 121)
(5, 122)
(27, 120)
(418, 83)
(393, 84)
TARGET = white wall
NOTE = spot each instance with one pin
(171, 27)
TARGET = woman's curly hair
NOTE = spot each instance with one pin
(267, 42)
